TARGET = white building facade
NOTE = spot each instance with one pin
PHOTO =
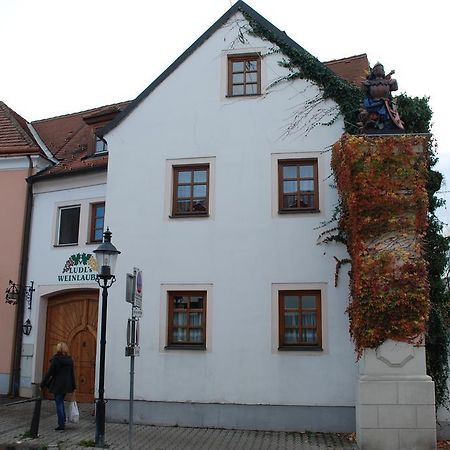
(221, 209)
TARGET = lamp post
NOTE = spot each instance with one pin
(106, 255)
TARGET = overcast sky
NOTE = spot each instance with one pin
(62, 56)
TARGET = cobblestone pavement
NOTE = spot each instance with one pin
(15, 421)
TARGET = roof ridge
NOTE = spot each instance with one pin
(80, 112)
(11, 115)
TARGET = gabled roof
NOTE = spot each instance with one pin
(15, 136)
(71, 140)
(353, 69)
(238, 6)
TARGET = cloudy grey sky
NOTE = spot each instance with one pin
(62, 56)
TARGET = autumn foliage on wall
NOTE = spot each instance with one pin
(382, 186)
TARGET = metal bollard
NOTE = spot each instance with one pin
(34, 428)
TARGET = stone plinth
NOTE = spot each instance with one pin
(395, 407)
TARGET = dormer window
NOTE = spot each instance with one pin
(101, 145)
(244, 75)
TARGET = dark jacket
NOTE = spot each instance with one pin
(60, 378)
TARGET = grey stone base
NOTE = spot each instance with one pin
(236, 416)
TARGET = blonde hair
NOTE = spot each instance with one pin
(62, 347)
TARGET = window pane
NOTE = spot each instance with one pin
(199, 205)
(179, 335)
(309, 336)
(306, 201)
(291, 301)
(289, 201)
(200, 176)
(200, 190)
(289, 186)
(307, 185)
(309, 319)
(251, 89)
(196, 335)
(99, 223)
(289, 171)
(238, 66)
(179, 318)
(184, 191)
(196, 319)
(250, 65)
(100, 146)
(251, 77)
(197, 302)
(238, 78)
(184, 177)
(183, 206)
(291, 319)
(291, 336)
(238, 90)
(309, 301)
(68, 225)
(180, 302)
(99, 211)
(306, 172)
(98, 235)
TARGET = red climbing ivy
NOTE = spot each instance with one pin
(382, 185)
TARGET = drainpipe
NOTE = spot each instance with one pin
(14, 384)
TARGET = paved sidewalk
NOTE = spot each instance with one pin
(15, 421)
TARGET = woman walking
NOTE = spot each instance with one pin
(60, 380)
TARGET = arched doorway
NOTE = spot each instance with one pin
(72, 318)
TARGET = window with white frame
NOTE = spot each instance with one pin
(68, 225)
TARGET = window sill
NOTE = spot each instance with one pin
(93, 242)
(65, 245)
(297, 348)
(185, 347)
(243, 95)
(187, 216)
(299, 211)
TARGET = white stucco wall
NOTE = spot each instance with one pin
(241, 251)
(47, 260)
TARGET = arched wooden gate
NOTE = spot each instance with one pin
(72, 318)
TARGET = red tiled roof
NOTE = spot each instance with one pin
(71, 139)
(353, 68)
(15, 136)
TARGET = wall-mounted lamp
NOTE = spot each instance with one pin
(12, 293)
(26, 327)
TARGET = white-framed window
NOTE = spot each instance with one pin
(68, 225)
(300, 318)
(185, 321)
(190, 188)
(297, 184)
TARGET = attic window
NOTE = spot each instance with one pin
(101, 145)
(244, 75)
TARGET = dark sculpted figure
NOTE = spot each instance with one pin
(380, 113)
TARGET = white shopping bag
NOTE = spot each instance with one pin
(74, 414)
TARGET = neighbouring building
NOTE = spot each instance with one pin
(20, 157)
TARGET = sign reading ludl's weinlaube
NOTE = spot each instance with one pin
(79, 267)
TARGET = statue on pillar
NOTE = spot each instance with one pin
(379, 114)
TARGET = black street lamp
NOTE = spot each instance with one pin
(106, 255)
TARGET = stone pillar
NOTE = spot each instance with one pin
(395, 407)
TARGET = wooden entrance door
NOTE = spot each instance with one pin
(72, 318)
